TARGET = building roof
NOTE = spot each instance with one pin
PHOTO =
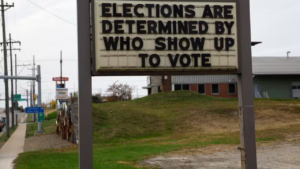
(276, 65)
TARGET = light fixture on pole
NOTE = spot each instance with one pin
(288, 54)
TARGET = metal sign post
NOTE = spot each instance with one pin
(245, 89)
(40, 122)
(225, 50)
(85, 85)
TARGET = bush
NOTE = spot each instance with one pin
(95, 99)
(51, 116)
(112, 99)
(53, 104)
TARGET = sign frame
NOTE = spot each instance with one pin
(62, 90)
(34, 110)
(141, 72)
(60, 79)
(86, 70)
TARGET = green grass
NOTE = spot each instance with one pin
(51, 116)
(49, 125)
(111, 156)
(129, 131)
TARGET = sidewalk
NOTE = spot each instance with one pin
(13, 147)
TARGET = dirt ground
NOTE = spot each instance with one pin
(46, 141)
(283, 155)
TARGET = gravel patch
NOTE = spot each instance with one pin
(47, 141)
(284, 156)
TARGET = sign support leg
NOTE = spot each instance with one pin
(40, 124)
(85, 86)
(245, 85)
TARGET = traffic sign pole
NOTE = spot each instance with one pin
(85, 86)
(40, 123)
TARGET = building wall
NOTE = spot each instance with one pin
(223, 90)
(208, 80)
(276, 86)
(204, 79)
(155, 82)
(194, 87)
(167, 84)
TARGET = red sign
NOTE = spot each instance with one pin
(58, 79)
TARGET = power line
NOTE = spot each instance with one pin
(51, 13)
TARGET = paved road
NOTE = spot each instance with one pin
(13, 147)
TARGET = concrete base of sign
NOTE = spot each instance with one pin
(37, 134)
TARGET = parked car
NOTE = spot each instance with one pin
(21, 109)
(3, 121)
(2, 124)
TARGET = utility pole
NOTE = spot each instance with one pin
(27, 97)
(4, 7)
(60, 67)
(20, 78)
(12, 81)
(16, 81)
(31, 100)
(33, 88)
(12, 86)
(40, 124)
(30, 95)
(10, 42)
(24, 65)
(27, 104)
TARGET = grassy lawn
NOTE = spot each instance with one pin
(3, 138)
(127, 132)
(48, 125)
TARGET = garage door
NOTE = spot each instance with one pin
(296, 89)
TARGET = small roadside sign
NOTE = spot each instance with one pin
(60, 79)
(63, 100)
(34, 110)
(41, 117)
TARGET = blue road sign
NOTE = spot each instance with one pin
(34, 110)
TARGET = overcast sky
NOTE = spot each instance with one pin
(274, 22)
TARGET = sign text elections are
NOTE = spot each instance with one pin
(165, 35)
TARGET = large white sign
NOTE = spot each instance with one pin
(140, 35)
(62, 94)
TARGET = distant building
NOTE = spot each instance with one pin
(213, 85)
(276, 77)
(154, 84)
(273, 77)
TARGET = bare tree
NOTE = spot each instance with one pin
(122, 91)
